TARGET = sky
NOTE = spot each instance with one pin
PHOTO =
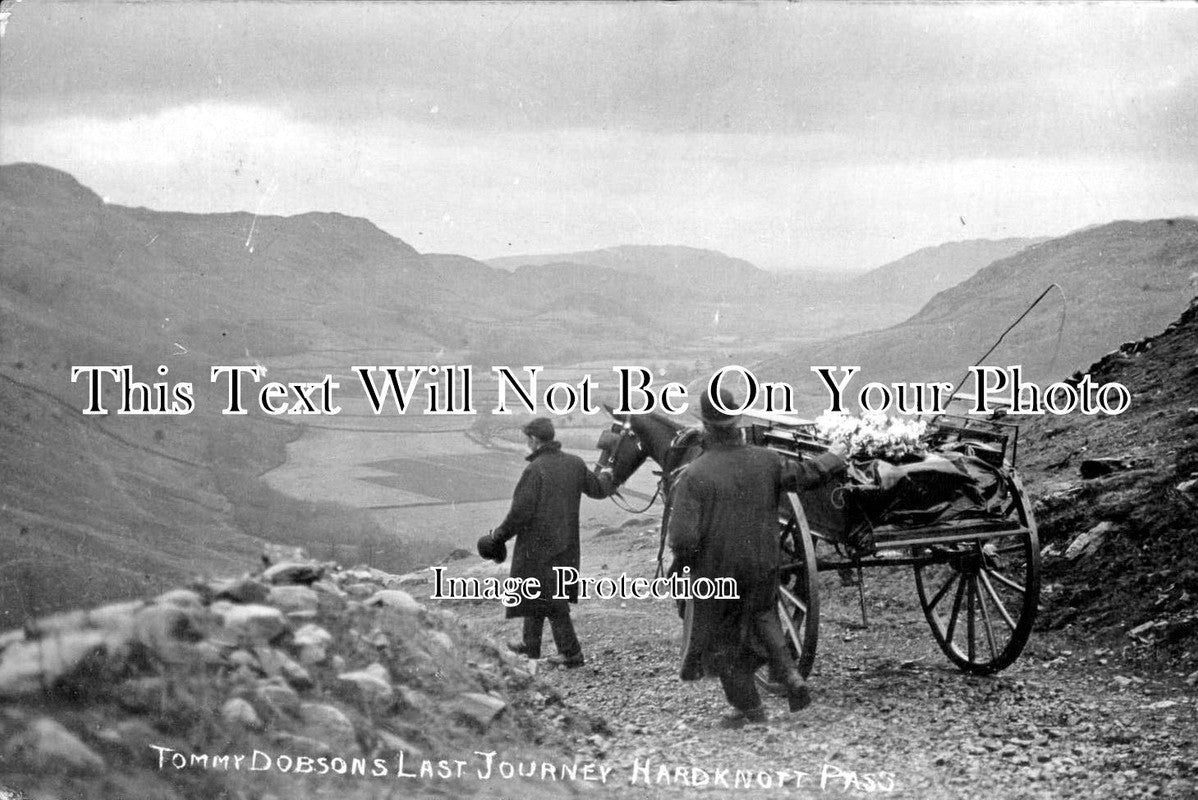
(808, 135)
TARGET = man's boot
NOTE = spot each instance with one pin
(798, 696)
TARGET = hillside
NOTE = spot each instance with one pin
(225, 284)
(1119, 547)
(916, 277)
(107, 506)
(1118, 282)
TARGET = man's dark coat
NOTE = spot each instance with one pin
(544, 521)
(724, 523)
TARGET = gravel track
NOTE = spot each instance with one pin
(891, 716)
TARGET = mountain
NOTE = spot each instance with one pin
(94, 507)
(1117, 282)
(916, 277)
(691, 268)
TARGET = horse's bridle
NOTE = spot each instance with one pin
(624, 430)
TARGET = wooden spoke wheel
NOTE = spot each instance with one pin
(798, 591)
(980, 595)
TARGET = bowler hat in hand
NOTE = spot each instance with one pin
(491, 548)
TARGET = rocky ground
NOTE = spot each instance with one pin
(330, 663)
(1117, 505)
(890, 715)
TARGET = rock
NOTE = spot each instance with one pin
(290, 572)
(409, 579)
(47, 747)
(181, 598)
(1179, 789)
(238, 711)
(251, 624)
(1097, 467)
(278, 554)
(414, 698)
(278, 696)
(481, 709)
(295, 601)
(134, 736)
(397, 599)
(169, 631)
(1188, 487)
(360, 589)
(57, 624)
(393, 743)
(241, 590)
(441, 640)
(209, 653)
(29, 667)
(312, 643)
(115, 617)
(11, 637)
(301, 744)
(355, 575)
(278, 665)
(1160, 705)
(1142, 630)
(140, 695)
(1089, 541)
(374, 683)
(332, 724)
(243, 658)
(329, 588)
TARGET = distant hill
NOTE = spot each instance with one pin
(690, 267)
(782, 298)
(1119, 281)
(916, 277)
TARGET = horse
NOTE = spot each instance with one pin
(633, 439)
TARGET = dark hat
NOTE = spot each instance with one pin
(540, 428)
(491, 548)
(711, 415)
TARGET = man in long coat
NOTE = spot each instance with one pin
(544, 522)
(724, 523)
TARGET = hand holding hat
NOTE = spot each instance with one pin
(491, 548)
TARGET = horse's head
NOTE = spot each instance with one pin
(632, 439)
(622, 449)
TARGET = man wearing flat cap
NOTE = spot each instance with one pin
(544, 522)
(724, 523)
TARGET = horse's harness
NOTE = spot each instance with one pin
(675, 462)
(609, 443)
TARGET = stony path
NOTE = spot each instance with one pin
(891, 716)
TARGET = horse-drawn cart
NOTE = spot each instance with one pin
(977, 566)
(958, 516)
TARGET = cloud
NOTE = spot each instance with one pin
(785, 133)
(775, 199)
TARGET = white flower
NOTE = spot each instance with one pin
(873, 435)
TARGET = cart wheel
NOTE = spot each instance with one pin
(980, 596)
(798, 591)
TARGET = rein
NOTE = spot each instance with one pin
(623, 505)
(626, 431)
